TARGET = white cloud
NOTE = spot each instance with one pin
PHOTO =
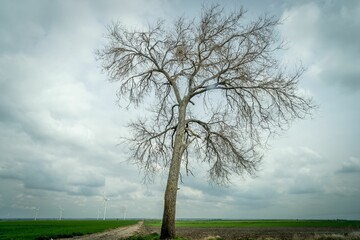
(300, 25)
(190, 193)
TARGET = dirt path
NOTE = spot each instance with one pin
(114, 234)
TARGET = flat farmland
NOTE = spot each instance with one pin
(264, 229)
(47, 229)
(195, 229)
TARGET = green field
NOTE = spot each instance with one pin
(47, 229)
(260, 223)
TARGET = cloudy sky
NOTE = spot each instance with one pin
(60, 125)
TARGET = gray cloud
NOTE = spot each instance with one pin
(19, 35)
(327, 31)
(51, 137)
(350, 166)
(59, 125)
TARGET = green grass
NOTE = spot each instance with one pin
(152, 236)
(47, 229)
(260, 223)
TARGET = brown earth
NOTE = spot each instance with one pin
(283, 233)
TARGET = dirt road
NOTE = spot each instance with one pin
(114, 234)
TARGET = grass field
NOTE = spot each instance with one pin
(260, 223)
(47, 229)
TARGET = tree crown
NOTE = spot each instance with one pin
(223, 71)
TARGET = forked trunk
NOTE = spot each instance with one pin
(168, 230)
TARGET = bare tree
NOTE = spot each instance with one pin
(219, 93)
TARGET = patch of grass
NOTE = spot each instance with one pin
(152, 236)
(47, 229)
(152, 223)
(213, 238)
(349, 236)
(333, 236)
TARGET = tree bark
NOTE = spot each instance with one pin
(168, 230)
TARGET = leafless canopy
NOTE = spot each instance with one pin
(223, 70)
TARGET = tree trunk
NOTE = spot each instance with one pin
(168, 222)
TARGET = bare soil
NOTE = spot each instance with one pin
(283, 233)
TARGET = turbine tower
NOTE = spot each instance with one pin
(61, 209)
(98, 214)
(105, 204)
(124, 211)
(36, 213)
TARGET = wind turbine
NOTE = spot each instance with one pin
(98, 215)
(36, 212)
(105, 204)
(124, 211)
(61, 209)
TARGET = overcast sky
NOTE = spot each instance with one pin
(60, 124)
